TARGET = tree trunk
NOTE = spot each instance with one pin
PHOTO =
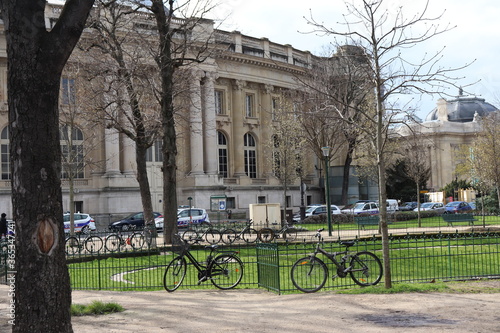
(345, 180)
(142, 179)
(36, 59)
(166, 65)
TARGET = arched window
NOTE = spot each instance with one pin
(222, 150)
(154, 153)
(5, 153)
(250, 155)
(72, 152)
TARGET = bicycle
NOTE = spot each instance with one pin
(223, 268)
(205, 232)
(287, 231)
(309, 274)
(248, 234)
(114, 241)
(92, 244)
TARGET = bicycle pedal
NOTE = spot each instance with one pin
(335, 276)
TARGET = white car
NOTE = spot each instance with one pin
(362, 208)
(83, 223)
(185, 217)
(316, 210)
(438, 207)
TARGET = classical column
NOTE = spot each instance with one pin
(112, 146)
(210, 130)
(129, 164)
(196, 123)
(237, 111)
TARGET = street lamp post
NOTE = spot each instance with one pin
(326, 155)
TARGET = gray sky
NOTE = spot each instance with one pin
(475, 37)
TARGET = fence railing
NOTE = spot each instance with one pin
(414, 258)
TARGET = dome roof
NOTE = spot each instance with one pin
(462, 109)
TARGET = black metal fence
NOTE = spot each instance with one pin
(414, 258)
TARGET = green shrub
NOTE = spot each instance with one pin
(95, 308)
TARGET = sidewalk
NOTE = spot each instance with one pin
(252, 310)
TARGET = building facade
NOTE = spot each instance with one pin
(450, 126)
(220, 139)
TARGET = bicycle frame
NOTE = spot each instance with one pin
(203, 269)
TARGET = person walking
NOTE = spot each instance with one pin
(3, 226)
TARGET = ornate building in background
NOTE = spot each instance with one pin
(220, 142)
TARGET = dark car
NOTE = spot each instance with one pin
(133, 221)
(408, 206)
(455, 207)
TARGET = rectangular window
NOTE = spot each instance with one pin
(275, 107)
(5, 162)
(249, 106)
(219, 102)
(261, 199)
(251, 163)
(68, 91)
(223, 162)
(230, 203)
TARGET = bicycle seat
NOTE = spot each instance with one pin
(347, 244)
(212, 247)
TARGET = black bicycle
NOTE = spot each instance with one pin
(287, 231)
(248, 234)
(309, 274)
(74, 245)
(223, 268)
(200, 233)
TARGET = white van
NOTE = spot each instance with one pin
(392, 205)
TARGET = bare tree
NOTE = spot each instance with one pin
(336, 84)
(36, 58)
(416, 165)
(287, 146)
(382, 33)
(123, 65)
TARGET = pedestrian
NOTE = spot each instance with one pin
(3, 226)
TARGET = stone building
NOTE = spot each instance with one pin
(220, 148)
(448, 127)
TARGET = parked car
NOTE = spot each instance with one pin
(186, 216)
(457, 207)
(472, 205)
(83, 223)
(133, 221)
(438, 207)
(408, 206)
(316, 210)
(392, 205)
(362, 208)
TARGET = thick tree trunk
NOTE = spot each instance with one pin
(42, 294)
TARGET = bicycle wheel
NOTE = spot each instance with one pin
(93, 244)
(113, 243)
(212, 236)
(72, 246)
(190, 236)
(137, 241)
(250, 235)
(228, 236)
(266, 235)
(366, 269)
(309, 274)
(174, 274)
(226, 271)
(290, 234)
